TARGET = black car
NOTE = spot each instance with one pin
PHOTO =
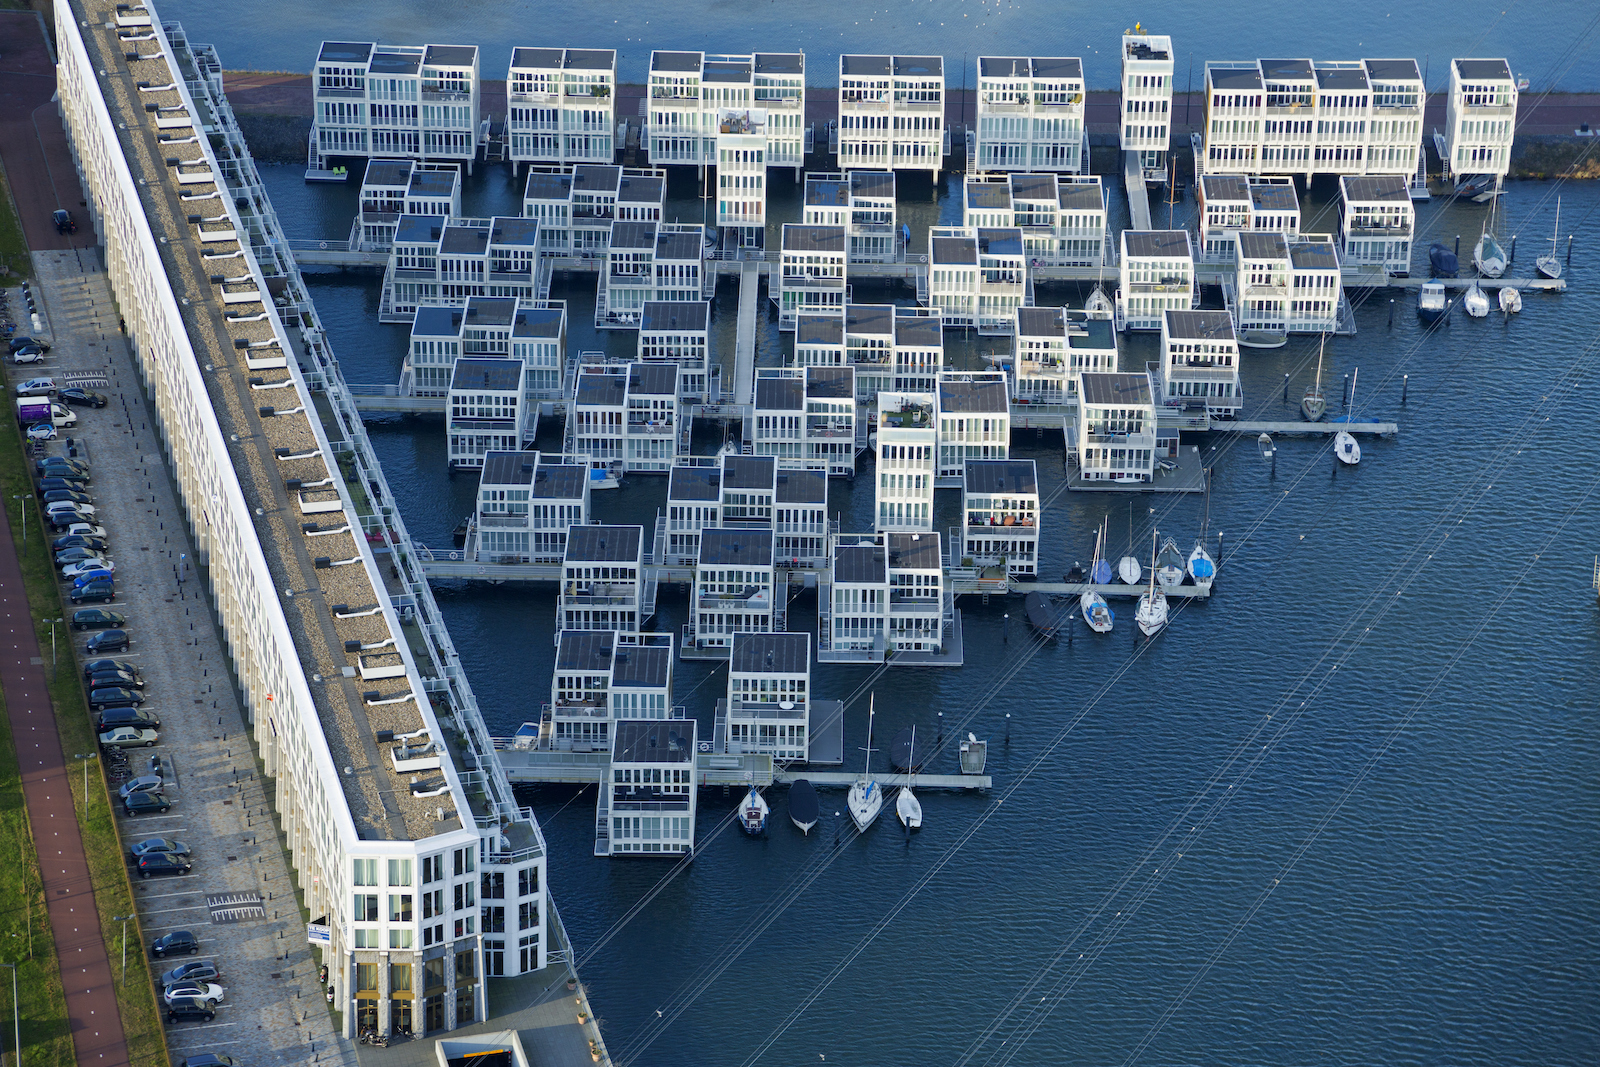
(193, 971)
(61, 518)
(25, 342)
(177, 943)
(111, 718)
(82, 397)
(109, 641)
(162, 863)
(56, 496)
(191, 1008)
(101, 589)
(95, 618)
(63, 220)
(96, 666)
(96, 545)
(157, 844)
(61, 478)
(44, 463)
(114, 679)
(142, 804)
(100, 699)
(209, 1059)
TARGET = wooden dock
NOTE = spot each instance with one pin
(845, 779)
(1554, 285)
(1113, 589)
(1310, 429)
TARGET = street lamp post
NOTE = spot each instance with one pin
(24, 498)
(85, 757)
(16, 1015)
(124, 920)
(54, 662)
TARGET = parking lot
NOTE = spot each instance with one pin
(238, 899)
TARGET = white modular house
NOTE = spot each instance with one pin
(1394, 133)
(485, 409)
(648, 806)
(678, 332)
(1030, 114)
(742, 175)
(396, 101)
(1000, 515)
(394, 187)
(978, 276)
(561, 105)
(1480, 117)
(1376, 223)
(819, 340)
(919, 603)
(974, 421)
(830, 428)
(768, 703)
(891, 112)
(579, 712)
(1146, 126)
(435, 260)
(1262, 279)
(749, 491)
(1316, 286)
(882, 593)
(863, 202)
(800, 517)
(694, 502)
(1062, 217)
(649, 261)
(651, 429)
(488, 326)
(688, 89)
(526, 505)
(1116, 434)
(433, 349)
(953, 274)
(986, 201)
(918, 349)
(1082, 237)
(599, 411)
(1235, 202)
(811, 278)
(780, 405)
(780, 89)
(1157, 274)
(907, 458)
(575, 206)
(733, 586)
(1200, 362)
(1052, 346)
(603, 581)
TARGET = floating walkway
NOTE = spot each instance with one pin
(1115, 589)
(1138, 195)
(744, 352)
(1308, 429)
(1552, 285)
(845, 779)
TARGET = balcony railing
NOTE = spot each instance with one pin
(452, 96)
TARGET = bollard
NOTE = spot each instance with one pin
(1346, 401)
(1511, 257)
(1458, 246)
(1569, 249)
(1391, 313)
(1285, 387)
(941, 726)
(1405, 383)
(1008, 727)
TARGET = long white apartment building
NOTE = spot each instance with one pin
(376, 811)
(1146, 126)
(974, 420)
(863, 202)
(649, 261)
(678, 332)
(526, 504)
(883, 593)
(561, 105)
(1377, 223)
(1052, 346)
(394, 187)
(576, 206)
(1199, 363)
(907, 461)
(768, 703)
(437, 260)
(1480, 117)
(488, 326)
(1230, 203)
(415, 102)
(1116, 430)
(1000, 515)
(1298, 116)
(891, 113)
(688, 90)
(1156, 273)
(485, 410)
(813, 260)
(1062, 217)
(978, 276)
(1030, 114)
(603, 584)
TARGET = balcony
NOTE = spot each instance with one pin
(837, 429)
(999, 522)
(915, 605)
(650, 429)
(1396, 232)
(341, 94)
(504, 522)
(530, 98)
(1478, 111)
(741, 710)
(1160, 287)
(933, 106)
(578, 709)
(811, 281)
(446, 96)
(600, 595)
(1143, 440)
(528, 126)
(760, 603)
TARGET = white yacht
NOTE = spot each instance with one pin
(1476, 303)
(1549, 264)
(1152, 611)
(865, 799)
(1096, 612)
(907, 808)
(753, 812)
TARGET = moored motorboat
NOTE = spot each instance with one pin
(753, 812)
(1510, 299)
(1475, 302)
(1042, 614)
(972, 755)
(1432, 303)
(1443, 261)
(804, 809)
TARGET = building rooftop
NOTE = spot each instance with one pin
(992, 476)
(633, 235)
(419, 229)
(919, 331)
(1147, 47)
(1033, 187)
(827, 192)
(800, 237)
(780, 394)
(1001, 241)
(781, 653)
(547, 185)
(476, 372)
(1090, 333)
(508, 468)
(604, 544)
(1040, 322)
(1054, 67)
(395, 63)
(344, 52)
(988, 196)
(694, 483)
(585, 651)
(964, 396)
(463, 240)
(653, 379)
(680, 244)
(863, 564)
(955, 251)
(1393, 70)
(749, 472)
(780, 62)
(1483, 69)
(1124, 389)
(1383, 188)
(1335, 78)
(653, 741)
(802, 486)
(1287, 70)
(491, 310)
(642, 666)
(1081, 196)
(394, 173)
(1274, 196)
(819, 329)
(596, 177)
(864, 66)
(726, 70)
(560, 481)
(1221, 188)
(602, 390)
(451, 55)
(919, 66)
(1199, 325)
(735, 548)
(914, 552)
(677, 62)
(1313, 255)
(668, 316)
(869, 319)
(434, 321)
(537, 58)
(591, 59)
(1262, 244)
(872, 184)
(538, 322)
(438, 184)
(1156, 244)
(641, 189)
(1234, 78)
(831, 383)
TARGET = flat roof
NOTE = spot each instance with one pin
(1274, 196)
(596, 177)
(394, 63)
(1032, 67)
(641, 189)
(831, 383)
(966, 396)
(669, 315)
(653, 379)
(914, 552)
(1040, 322)
(1033, 187)
(538, 58)
(641, 666)
(451, 55)
(1262, 244)
(1313, 255)
(1342, 78)
(780, 653)
(604, 544)
(802, 485)
(560, 481)
(1377, 188)
(602, 390)
(633, 235)
(491, 310)
(803, 237)
(991, 476)
(1001, 241)
(419, 229)
(437, 183)
(1096, 333)
(1393, 70)
(869, 319)
(861, 563)
(388, 172)
(538, 322)
(508, 468)
(1223, 187)
(547, 185)
(864, 65)
(1081, 196)
(1152, 244)
(780, 394)
(694, 483)
(749, 472)
(1199, 325)
(780, 62)
(1234, 77)
(1484, 69)
(344, 52)
(463, 240)
(679, 62)
(919, 65)
(955, 250)
(924, 331)
(726, 70)
(741, 547)
(1287, 69)
(591, 59)
(827, 192)
(989, 196)
(1106, 388)
(680, 244)
(432, 320)
(819, 329)
(653, 741)
(588, 651)
(475, 372)
(877, 184)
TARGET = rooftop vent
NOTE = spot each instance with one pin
(267, 411)
(323, 563)
(352, 646)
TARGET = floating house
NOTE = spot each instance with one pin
(974, 421)
(485, 410)
(891, 113)
(1377, 223)
(1200, 362)
(1116, 432)
(395, 101)
(1030, 114)
(1000, 515)
(561, 105)
(603, 584)
(1156, 275)
(1146, 126)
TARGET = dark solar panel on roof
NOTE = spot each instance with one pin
(586, 651)
(503, 375)
(735, 548)
(834, 383)
(991, 476)
(1484, 69)
(680, 62)
(1165, 244)
(781, 653)
(819, 330)
(860, 564)
(344, 52)
(683, 316)
(560, 481)
(1115, 388)
(1377, 188)
(451, 55)
(604, 544)
(864, 319)
(694, 483)
(802, 487)
(1199, 325)
(780, 394)
(508, 468)
(653, 741)
(1260, 245)
(955, 250)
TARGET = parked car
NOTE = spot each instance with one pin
(100, 699)
(204, 990)
(111, 718)
(190, 1008)
(177, 943)
(66, 496)
(210, 1059)
(37, 387)
(129, 737)
(193, 971)
(109, 641)
(42, 431)
(63, 220)
(96, 666)
(87, 529)
(74, 555)
(52, 484)
(101, 589)
(86, 398)
(115, 679)
(66, 516)
(158, 844)
(24, 342)
(145, 783)
(143, 803)
(96, 619)
(66, 541)
(27, 354)
(93, 574)
(161, 862)
(63, 417)
(40, 466)
(88, 565)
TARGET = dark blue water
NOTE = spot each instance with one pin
(1406, 872)
(1546, 42)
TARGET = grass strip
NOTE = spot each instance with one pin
(15, 263)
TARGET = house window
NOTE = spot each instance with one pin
(399, 872)
(366, 872)
(366, 908)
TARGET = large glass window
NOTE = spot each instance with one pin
(399, 872)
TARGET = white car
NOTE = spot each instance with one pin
(204, 990)
(84, 566)
(87, 529)
(129, 737)
(64, 507)
(42, 432)
(62, 415)
(27, 355)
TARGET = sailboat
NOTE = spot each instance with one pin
(1151, 614)
(1202, 570)
(1487, 255)
(1128, 566)
(1345, 449)
(1095, 610)
(1548, 264)
(1510, 300)
(907, 808)
(753, 812)
(1100, 568)
(803, 807)
(1169, 565)
(1314, 403)
(1476, 303)
(1098, 305)
(865, 798)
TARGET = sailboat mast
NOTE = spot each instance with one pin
(1154, 535)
